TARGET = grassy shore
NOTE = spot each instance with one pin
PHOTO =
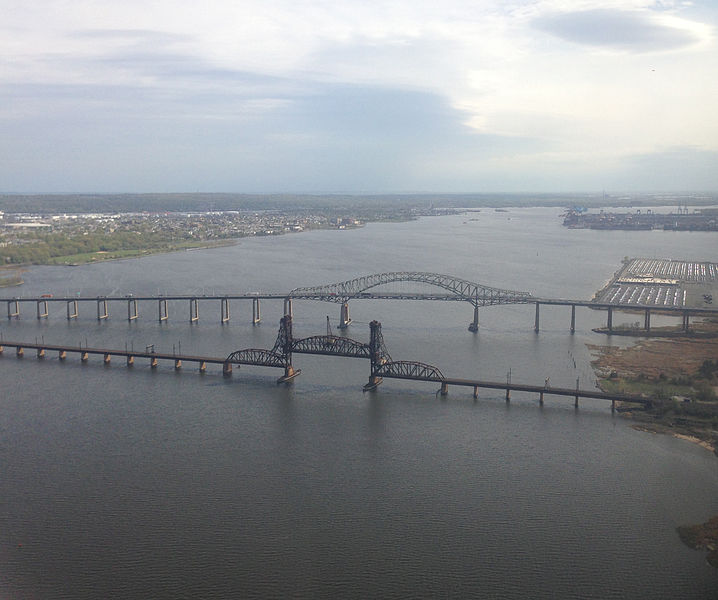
(91, 257)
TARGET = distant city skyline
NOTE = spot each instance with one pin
(359, 98)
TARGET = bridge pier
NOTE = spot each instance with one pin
(102, 309)
(178, 364)
(609, 320)
(373, 383)
(41, 352)
(227, 369)
(106, 358)
(647, 320)
(474, 325)
(20, 351)
(224, 310)
(162, 309)
(84, 356)
(13, 313)
(575, 401)
(536, 320)
(130, 360)
(42, 312)
(508, 395)
(344, 319)
(202, 366)
(476, 391)
(686, 323)
(289, 374)
(288, 307)
(193, 310)
(72, 311)
(573, 318)
(62, 355)
(256, 311)
(153, 362)
(132, 309)
(444, 389)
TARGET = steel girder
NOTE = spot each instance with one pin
(258, 357)
(331, 345)
(460, 289)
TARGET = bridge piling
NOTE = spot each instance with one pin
(288, 307)
(344, 319)
(102, 309)
(474, 325)
(130, 360)
(20, 351)
(224, 310)
(13, 313)
(573, 318)
(541, 399)
(41, 352)
(609, 319)
(193, 310)
(62, 355)
(162, 308)
(132, 309)
(536, 320)
(72, 311)
(256, 311)
(444, 389)
(106, 358)
(42, 312)
(476, 392)
(227, 369)
(647, 320)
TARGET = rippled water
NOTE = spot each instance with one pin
(157, 484)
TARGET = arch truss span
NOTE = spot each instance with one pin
(458, 289)
(406, 369)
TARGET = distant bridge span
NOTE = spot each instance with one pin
(456, 289)
(459, 289)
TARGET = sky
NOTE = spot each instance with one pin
(350, 96)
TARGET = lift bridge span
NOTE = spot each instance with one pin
(280, 356)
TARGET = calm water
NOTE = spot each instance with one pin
(157, 484)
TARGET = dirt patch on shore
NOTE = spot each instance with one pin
(650, 358)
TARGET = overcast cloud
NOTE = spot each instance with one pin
(315, 96)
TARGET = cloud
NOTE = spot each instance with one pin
(635, 31)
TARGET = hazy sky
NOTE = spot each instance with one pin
(358, 95)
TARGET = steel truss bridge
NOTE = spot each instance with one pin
(456, 289)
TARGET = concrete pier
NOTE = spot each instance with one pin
(536, 320)
(41, 352)
(13, 312)
(72, 310)
(102, 309)
(42, 309)
(647, 320)
(256, 311)
(609, 319)
(344, 318)
(573, 318)
(193, 310)
(226, 369)
(62, 355)
(162, 309)
(178, 364)
(444, 389)
(224, 310)
(106, 358)
(132, 309)
(130, 360)
(474, 325)
(288, 307)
